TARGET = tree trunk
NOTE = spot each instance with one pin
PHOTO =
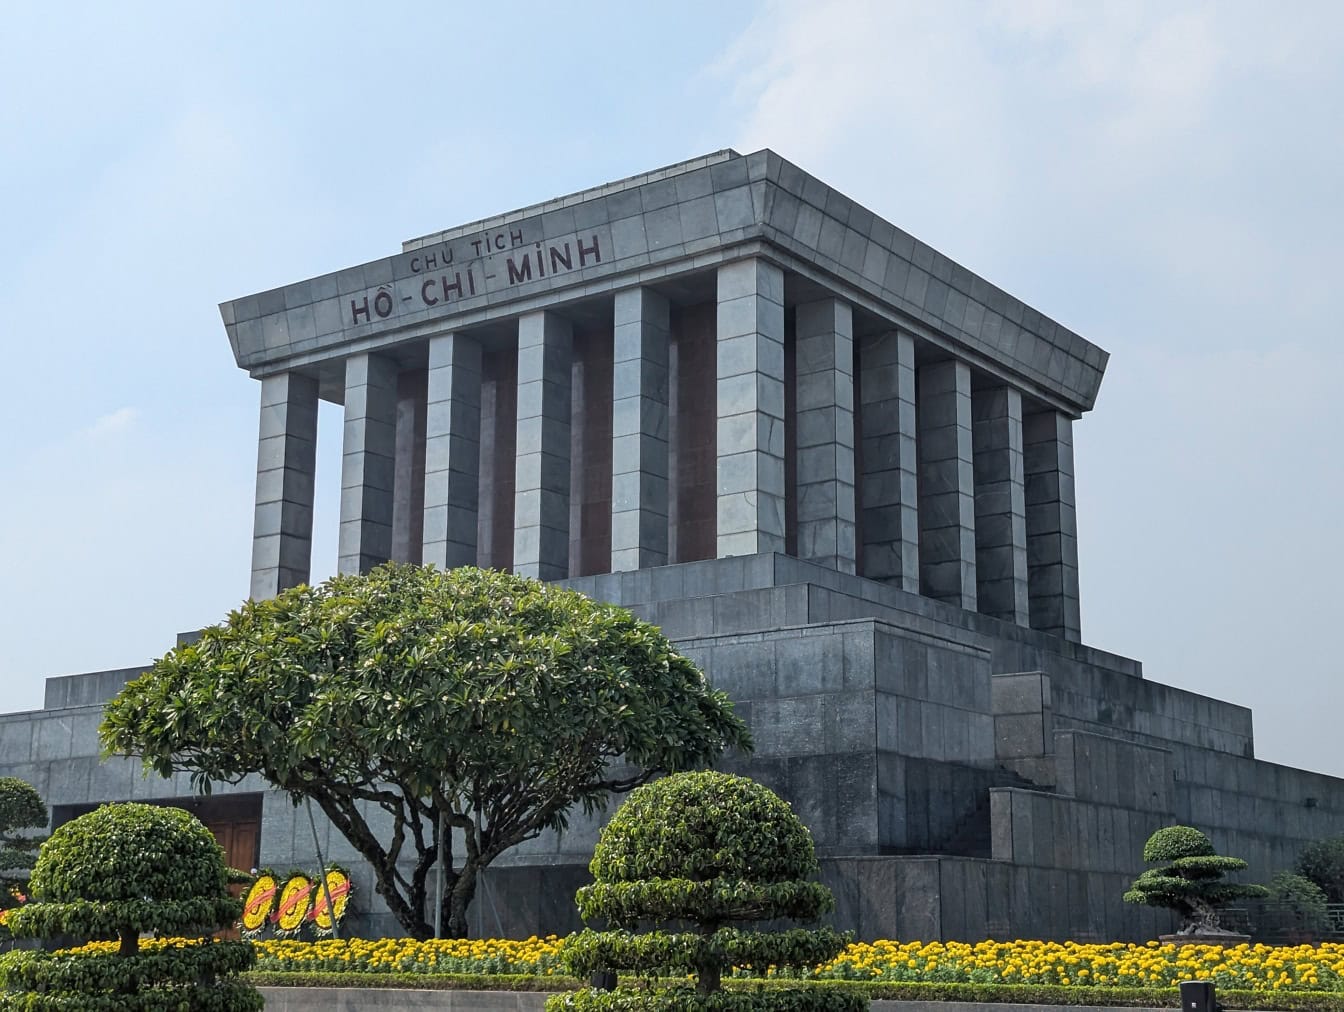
(130, 942)
(414, 924)
(710, 978)
(458, 900)
(709, 974)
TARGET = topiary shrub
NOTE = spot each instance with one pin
(21, 809)
(1191, 882)
(682, 869)
(1172, 843)
(117, 873)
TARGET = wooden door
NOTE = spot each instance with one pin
(241, 843)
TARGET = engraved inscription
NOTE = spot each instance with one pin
(470, 267)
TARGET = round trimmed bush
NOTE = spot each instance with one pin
(704, 826)
(117, 873)
(21, 806)
(128, 852)
(1171, 842)
(694, 860)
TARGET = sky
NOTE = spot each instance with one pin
(1163, 178)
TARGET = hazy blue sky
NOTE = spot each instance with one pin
(1163, 178)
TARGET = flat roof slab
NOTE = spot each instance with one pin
(651, 229)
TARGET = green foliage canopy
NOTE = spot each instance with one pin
(707, 827)
(124, 853)
(1173, 842)
(1322, 861)
(1191, 884)
(492, 700)
(1302, 900)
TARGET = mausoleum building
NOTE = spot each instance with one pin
(834, 465)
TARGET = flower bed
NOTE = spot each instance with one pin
(1259, 968)
(1114, 964)
(535, 957)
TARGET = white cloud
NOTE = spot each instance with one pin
(113, 423)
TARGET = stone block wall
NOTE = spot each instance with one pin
(963, 777)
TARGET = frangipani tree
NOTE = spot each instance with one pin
(471, 701)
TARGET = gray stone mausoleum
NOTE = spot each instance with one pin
(834, 465)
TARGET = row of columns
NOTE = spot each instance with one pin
(965, 497)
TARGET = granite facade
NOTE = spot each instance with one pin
(948, 797)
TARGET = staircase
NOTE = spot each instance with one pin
(972, 836)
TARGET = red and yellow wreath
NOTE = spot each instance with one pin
(338, 887)
(292, 907)
(260, 901)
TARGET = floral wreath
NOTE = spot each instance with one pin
(337, 886)
(259, 902)
(292, 907)
(291, 902)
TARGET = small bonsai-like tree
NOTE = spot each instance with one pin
(704, 854)
(116, 873)
(21, 810)
(1191, 882)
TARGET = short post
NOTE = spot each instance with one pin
(1199, 996)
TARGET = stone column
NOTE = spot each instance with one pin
(1052, 527)
(541, 474)
(1000, 505)
(408, 481)
(452, 451)
(282, 524)
(368, 463)
(750, 464)
(946, 484)
(639, 430)
(890, 489)
(824, 360)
